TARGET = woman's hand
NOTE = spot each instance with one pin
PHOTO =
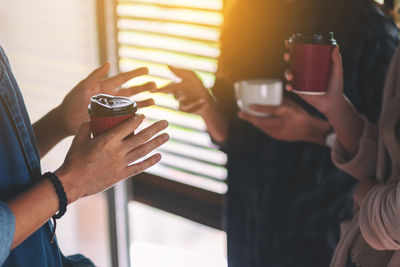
(345, 120)
(93, 165)
(288, 122)
(334, 93)
(193, 97)
(73, 110)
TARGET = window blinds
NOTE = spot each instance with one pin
(182, 33)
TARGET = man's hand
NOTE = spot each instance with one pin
(193, 97)
(288, 122)
(73, 110)
(93, 165)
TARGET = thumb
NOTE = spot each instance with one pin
(337, 68)
(182, 73)
(83, 134)
(98, 73)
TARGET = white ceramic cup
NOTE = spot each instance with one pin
(266, 92)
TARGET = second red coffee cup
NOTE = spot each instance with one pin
(107, 111)
(311, 62)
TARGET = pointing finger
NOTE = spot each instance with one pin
(134, 90)
(122, 78)
(145, 103)
(170, 88)
(98, 73)
(183, 73)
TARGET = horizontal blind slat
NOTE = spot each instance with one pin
(160, 73)
(193, 166)
(209, 18)
(189, 31)
(196, 4)
(205, 154)
(149, 40)
(169, 58)
(187, 178)
(175, 118)
(185, 135)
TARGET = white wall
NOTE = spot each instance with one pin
(51, 45)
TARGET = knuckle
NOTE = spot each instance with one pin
(145, 136)
(100, 143)
(131, 158)
(160, 126)
(108, 140)
(156, 143)
(120, 153)
(141, 150)
(135, 169)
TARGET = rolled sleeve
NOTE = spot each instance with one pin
(7, 227)
(380, 217)
(363, 164)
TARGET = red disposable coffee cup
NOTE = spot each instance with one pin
(311, 62)
(107, 111)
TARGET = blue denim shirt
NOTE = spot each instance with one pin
(19, 170)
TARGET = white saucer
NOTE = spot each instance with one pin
(309, 92)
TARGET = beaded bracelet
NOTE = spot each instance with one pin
(62, 200)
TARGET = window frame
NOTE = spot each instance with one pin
(193, 203)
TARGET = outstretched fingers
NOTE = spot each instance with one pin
(122, 78)
(143, 165)
(150, 86)
(144, 135)
(146, 148)
(183, 73)
(98, 74)
(168, 89)
(145, 103)
(125, 128)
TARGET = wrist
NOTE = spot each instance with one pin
(59, 121)
(209, 107)
(70, 186)
(318, 130)
(337, 104)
